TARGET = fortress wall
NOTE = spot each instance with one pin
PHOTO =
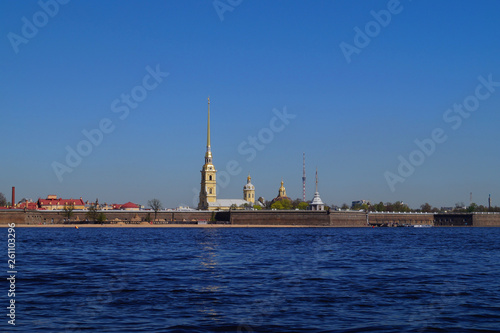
(57, 217)
(486, 219)
(265, 217)
(451, 220)
(8, 216)
(401, 218)
(280, 217)
(348, 219)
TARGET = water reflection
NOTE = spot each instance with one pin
(210, 287)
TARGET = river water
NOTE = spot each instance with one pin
(256, 280)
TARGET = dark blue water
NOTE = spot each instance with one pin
(256, 280)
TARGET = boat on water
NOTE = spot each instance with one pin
(422, 226)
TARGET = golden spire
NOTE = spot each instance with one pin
(208, 129)
(282, 191)
(208, 155)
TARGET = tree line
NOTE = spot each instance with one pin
(399, 206)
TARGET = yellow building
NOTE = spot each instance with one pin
(208, 192)
(54, 203)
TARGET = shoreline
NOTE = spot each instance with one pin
(147, 225)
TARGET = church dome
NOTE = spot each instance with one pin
(281, 194)
(249, 186)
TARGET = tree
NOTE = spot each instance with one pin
(296, 202)
(344, 207)
(426, 208)
(3, 201)
(246, 205)
(155, 205)
(472, 208)
(68, 211)
(380, 207)
(277, 205)
(287, 204)
(356, 207)
(398, 206)
(282, 204)
(101, 217)
(92, 214)
(302, 205)
(257, 207)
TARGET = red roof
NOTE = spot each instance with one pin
(129, 205)
(60, 202)
(28, 205)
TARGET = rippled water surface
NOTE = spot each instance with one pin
(257, 280)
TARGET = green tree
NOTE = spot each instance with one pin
(92, 214)
(380, 207)
(277, 205)
(287, 204)
(398, 206)
(257, 207)
(303, 205)
(282, 204)
(344, 206)
(426, 208)
(356, 207)
(155, 205)
(482, 208)
(472, 208)
(68, 211)
(3, 200)
(101, 217)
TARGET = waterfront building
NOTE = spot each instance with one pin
(208, 192)
(317, 203)
(27, 204)
(54, 203)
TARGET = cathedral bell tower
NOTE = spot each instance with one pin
(208, 173)
(249, 191)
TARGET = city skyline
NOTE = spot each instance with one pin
(387, 108)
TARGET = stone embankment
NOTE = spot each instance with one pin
(258, 218)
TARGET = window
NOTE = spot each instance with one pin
(210, 177)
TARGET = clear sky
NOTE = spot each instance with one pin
(352, 84)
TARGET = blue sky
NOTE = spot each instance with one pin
(355, 116)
